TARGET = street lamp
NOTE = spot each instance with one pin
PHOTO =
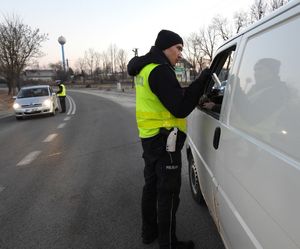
(62, 41)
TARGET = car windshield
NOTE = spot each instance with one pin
(33, 92)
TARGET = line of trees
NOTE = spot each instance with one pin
(201, 46)
(20, 45)
(103, 66)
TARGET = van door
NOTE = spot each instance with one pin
(204, 127)
(258, 153)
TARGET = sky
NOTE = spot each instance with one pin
(127, 24)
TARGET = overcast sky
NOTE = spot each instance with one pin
(126, 23)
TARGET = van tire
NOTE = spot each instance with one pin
(194, 181)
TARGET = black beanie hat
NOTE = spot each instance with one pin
(166, 39)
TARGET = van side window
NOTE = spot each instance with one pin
(211, 101)
(266, 95)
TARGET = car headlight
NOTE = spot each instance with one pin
(16, 106)
(47, 103)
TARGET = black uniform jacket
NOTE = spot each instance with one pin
(164, 84)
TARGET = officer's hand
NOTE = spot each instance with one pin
(204, 76)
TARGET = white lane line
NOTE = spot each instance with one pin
(6, 115)
(29, 158)
(50, 138)
(54, 154)
(61, 126)
(1, 188)
(67, 118)
(74, 106)
(70, 105)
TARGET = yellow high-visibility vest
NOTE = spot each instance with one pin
(63, 93)
(151, 115)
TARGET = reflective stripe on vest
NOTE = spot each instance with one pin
(63, 92)
(150, 112)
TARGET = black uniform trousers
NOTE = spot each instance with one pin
(160, 199)
(62, 101)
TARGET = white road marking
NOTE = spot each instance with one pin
(54, 154)
(72, 104)
(120, 99)
(50, 138)
(67, 118)
(1, 188)
(29, 158)
(61, 126)
(6, 115)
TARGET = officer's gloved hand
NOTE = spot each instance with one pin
(204, 76)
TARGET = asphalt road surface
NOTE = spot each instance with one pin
(74, 180)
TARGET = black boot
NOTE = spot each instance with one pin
(149, 238)
(180, 245)
(185, 244)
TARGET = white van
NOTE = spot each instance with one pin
(244, 157)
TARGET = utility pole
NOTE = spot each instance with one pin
(135, 51)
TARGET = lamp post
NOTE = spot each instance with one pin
(62, 41)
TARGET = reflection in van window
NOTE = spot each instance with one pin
(266, 99)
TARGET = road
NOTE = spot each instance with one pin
(74, 180)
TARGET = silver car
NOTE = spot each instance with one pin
(35, 100)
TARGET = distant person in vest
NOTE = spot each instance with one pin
(161, 108)
(61, 93)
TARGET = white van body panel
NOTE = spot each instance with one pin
(251, 181)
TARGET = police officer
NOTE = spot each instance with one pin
(161, 108)
(61, 93)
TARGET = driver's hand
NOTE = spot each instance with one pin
(208, 105)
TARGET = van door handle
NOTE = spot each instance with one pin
(217, 137)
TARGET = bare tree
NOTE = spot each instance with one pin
(222, 27)
(81, 68)
(208, 41)
(59, 70)
(240, 20)
(113, 52)
(107, 65)
(90, 59)
(81, 65)
(258, 10)
(275, 4)
(193, 53)
(97, 60)
(122, 62)
(18, 44)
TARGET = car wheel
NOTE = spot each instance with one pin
(19, 118)
(194, 181)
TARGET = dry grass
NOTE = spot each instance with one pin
(6, 101)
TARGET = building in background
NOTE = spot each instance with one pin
(41, 75)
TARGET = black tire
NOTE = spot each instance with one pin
(19, 118)
(194, 181)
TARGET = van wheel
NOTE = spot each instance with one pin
(194, 181)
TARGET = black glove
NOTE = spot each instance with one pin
(204, 76)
